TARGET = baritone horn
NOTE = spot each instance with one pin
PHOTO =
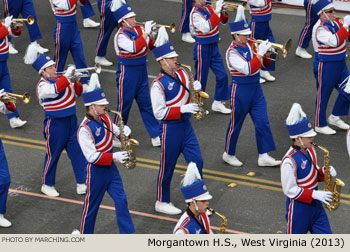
(230, 7)
(285, 48)
(20, 21)
(172, 27)
(11, 97)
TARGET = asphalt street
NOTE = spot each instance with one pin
(255, 205)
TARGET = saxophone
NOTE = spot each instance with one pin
(127, 144)
(197, 97)
(335, 187)
(223, 220)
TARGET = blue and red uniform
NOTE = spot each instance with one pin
(57, 97)
(177, 134)
(5, 81)
(204, 26)
(102, 174)
(311, 19)
(247, 97)
(300, 176)
(66, 35)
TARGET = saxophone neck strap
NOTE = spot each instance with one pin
(177, 80)
(103, 124)
(189, 212)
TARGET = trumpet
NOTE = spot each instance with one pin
(20, 21)
(285, 48)
(231, 7)
(172, 27)
(10, 97)
(97, 68)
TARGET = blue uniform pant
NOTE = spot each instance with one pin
(262, 30)
(5, 83)
(249, 98)
(108, 23)
(99, 180)
(302, 218)
(132, 83)
(185, 16)
(87, 10)
(5, 179)
(60, 134)
(176, 138)
(26, 8)
(330, 75)
(67, 38)
(311, 19)
(208, 56)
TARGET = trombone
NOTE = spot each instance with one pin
(231, 7)
(20, 21)
(10, 97)
(285, 48)
(172, 27)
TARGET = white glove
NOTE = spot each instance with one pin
(189, 108)
(219, 5)
(120, 156)
(70, 71)
(323, 196)
(197, 85)
(127, 131)
(2, 93)
(8, 21)
(264, 47)
(149, 26)
(332, 171)
(346, 21)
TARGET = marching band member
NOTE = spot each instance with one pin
(131, 44)
(87, 12)
(5, 81)
(67, 35)
(330, 69)
(170, 96)
(300, 175)
(246, 93)
(95, 138)
(184, 27)
(108, 23)
(25, 8)
(306, 32)
(195, 220)
(204, 26)
(260, 11)
(5, 179)
(56, 94)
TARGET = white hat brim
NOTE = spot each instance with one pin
(328, 6)
(168, 56)
(47, 64)
(310, 133)
(100, 102)
(243, 32)
(129, 15)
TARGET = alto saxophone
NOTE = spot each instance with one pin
(223, 220)
(197, 97)
(335, 187)
(127, 144)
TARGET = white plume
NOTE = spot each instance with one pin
(191, 175)
(94, 83)
(32, 53)
(240, 14)
(116, 4)
(296, 114)
(162, 37)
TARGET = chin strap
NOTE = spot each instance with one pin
(94, 109)
(127, 24)
(167, 64)
(195, 205)
(301, 142)
(324, 13)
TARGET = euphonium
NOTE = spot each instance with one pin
(335, 187)
(127, 144)
(197, 97)
(223, 220)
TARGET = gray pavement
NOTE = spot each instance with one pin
(255, 205)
